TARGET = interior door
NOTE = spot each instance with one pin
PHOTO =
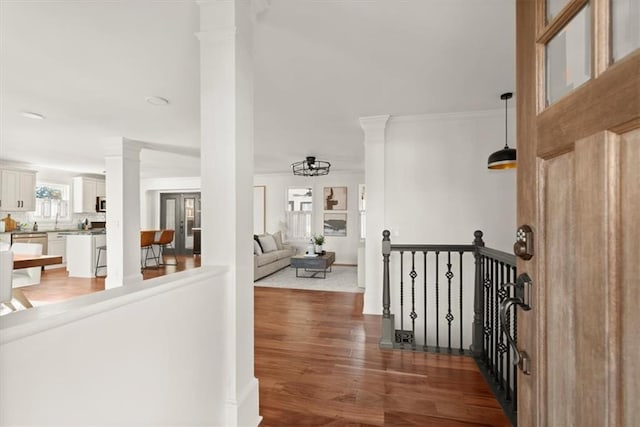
(578, 101)
(181, 212)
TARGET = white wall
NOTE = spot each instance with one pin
(143, 354)
(150, 189)
(438, 188)
(346, 248)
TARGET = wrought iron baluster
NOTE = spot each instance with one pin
(402, 294)
(461, 322)
(425, 346)
(449, 316)
(502, 347)
(437, 302)
(515, 338)
(413, 313)
(487, 308)
(510, 367)
(494, 320)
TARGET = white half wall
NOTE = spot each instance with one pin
(346, 248)
(143, 354)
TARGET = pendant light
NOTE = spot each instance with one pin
(505, 158)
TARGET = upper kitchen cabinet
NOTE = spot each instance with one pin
(17, 190)
(85, 193)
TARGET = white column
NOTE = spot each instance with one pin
(122, 162)
(374, 172)
(226, 90)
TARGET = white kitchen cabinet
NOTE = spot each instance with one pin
(85, 191)
(57, 245)
(17, 190)
(5, 238)
(101, 189)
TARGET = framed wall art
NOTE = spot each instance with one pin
(335, 224)
(335, 198)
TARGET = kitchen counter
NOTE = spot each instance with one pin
(82, 232)
(82, 252)
(61, 230)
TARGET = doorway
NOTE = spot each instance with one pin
(181, 212)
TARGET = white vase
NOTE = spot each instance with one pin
(310, 249)
(318, 249)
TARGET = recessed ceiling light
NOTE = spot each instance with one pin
(32, 115)
(157, 100)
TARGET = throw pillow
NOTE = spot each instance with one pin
(268, 243)
(255, 237)
(256, 248)
(277, 236)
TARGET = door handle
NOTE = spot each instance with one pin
(522, 298)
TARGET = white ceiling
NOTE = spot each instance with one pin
(319, 65)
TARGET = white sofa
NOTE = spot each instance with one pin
(271, 259)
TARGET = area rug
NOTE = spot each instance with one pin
(340, 279)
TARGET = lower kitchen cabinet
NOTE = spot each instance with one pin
(57, 245)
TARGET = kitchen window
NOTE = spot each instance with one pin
(52, 202)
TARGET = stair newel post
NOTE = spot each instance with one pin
(388, 323)
(477, 346)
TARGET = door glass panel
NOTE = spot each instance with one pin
(170, 212)
(625, 27)
(553, 7)
(189, 216)
(568, 56)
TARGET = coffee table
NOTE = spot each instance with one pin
(314, 265)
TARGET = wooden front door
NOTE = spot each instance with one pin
(578, 111)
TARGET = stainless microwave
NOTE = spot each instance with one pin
(101, 204)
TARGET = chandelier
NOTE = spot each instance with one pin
(311, 167)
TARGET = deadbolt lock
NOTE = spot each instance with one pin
(523, 247)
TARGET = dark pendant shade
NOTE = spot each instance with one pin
(505, 158)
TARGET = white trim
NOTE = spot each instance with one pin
(440, 116)
(217, 35)
(244, 405)
(25, 323)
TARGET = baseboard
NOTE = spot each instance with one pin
(344, 265)
(243, 410)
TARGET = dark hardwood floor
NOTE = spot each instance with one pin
(56, 285)
(318, 362)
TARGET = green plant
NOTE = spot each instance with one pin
(318, 239)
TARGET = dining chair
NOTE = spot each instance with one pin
(6, 276)
(146, 244)
(26, 276)
(164, 241)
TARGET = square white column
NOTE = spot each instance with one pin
(374, 172)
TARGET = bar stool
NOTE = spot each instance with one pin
(165, 240)
(146, 243)
(98, 265)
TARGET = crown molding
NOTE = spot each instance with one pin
(217, 35)
(440, 116)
